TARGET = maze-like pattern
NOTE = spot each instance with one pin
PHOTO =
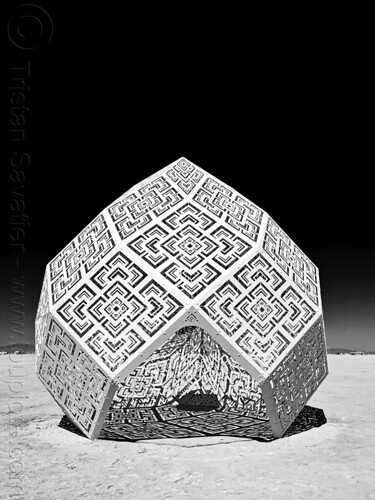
(41, 319)
(291, 260)
(76, 382)
(114, 353)
(189, 249)
(191, 361)
(140, 207)
(238, 212)
(185, 175)
(137, 209)
(300, 373)
(261, 309)
(79, 257)
(116, 309)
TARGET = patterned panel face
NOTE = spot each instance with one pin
(185, 175)
(143, 205)
(291, 261)
(191, 361)
(139, 208)
(73, 378)
(189, 249)
(299, 375)
(79, 257)
(41, 320)
(242, 215)
(118, 310)
(260, 310)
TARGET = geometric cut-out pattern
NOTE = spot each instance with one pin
(42, 318)
(299, 375)
(117, 310)
(262, 311)
(291, 260)
(189, 249)
(75, 381)
(81, 255)
(182, 285)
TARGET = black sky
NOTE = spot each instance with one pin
(114, 97)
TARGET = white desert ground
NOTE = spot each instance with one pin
(40, 460)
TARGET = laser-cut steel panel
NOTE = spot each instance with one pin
(179, 243)
(261, 311)
(78, 385)
(296, 378)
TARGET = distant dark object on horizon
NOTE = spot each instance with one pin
(341, 350)
(21, 348)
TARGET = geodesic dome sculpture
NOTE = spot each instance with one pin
(182, 285)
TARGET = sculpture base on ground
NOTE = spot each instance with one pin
(171, 422)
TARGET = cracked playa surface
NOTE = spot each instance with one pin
(334, 461)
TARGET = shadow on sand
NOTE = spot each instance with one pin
(174, 422)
